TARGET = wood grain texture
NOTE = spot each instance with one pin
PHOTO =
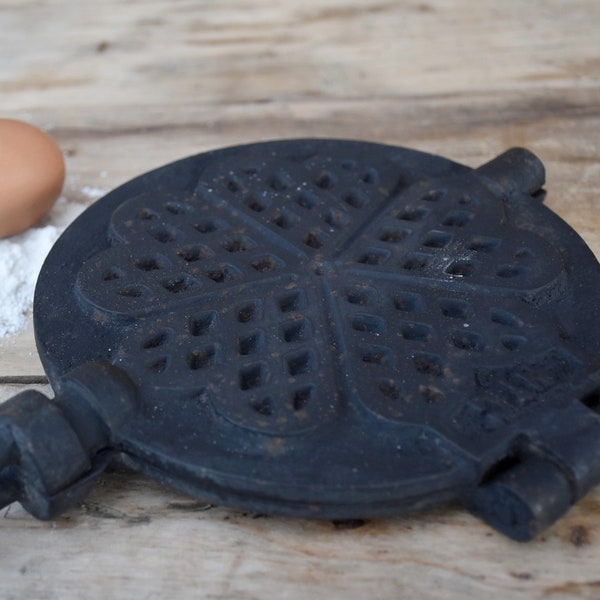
(133, 539)
(127, 86)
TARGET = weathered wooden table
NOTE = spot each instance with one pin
(127, 86)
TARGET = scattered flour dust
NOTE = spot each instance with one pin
(21, 258)
(93, 192)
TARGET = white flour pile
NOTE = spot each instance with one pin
(21, 257)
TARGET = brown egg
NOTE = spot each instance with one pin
(32, 173)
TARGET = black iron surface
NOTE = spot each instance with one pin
(319, 328)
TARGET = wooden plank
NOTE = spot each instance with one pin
(146, 53)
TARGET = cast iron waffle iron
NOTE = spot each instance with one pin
(319, 328)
